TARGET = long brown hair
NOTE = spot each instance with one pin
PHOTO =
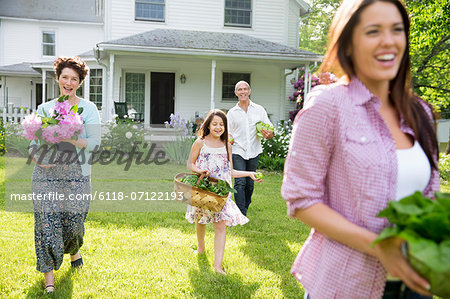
(204, 130)
(401, 95)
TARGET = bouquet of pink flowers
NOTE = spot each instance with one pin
(64, 122)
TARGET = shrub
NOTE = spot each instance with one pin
(275, 150)
(444, 167)
(278, 146)
(122, 136)
(271, 163)
(179, 150)
(2, 138)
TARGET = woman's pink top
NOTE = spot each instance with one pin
(343, 155)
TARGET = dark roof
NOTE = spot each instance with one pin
(204, 40)
(58, 10)
(20, 69)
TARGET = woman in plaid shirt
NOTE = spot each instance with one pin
(356, 145)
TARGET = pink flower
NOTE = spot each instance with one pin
(50, 134)
(62, 108)
(31, 124)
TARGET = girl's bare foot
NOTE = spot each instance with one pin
(220, 271)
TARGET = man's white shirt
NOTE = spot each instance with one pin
(242, 126)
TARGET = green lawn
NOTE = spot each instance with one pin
(150, 254)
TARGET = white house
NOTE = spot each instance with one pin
(160, 56)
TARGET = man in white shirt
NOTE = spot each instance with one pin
(242, 120)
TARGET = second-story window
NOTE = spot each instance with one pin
(238, 13)
(150, 10)
(48, 43)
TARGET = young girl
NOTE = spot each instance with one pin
(211, 156)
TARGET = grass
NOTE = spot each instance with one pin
(150, 254)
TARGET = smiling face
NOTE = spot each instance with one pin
(378, 44)
(216, 127)
(243, 91)
(69, 81)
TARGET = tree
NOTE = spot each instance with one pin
(315, 25)
(430, 50)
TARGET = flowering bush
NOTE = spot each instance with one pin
(64, 122)
(275, 150)
(298, 96)
(122, 136)
(179, 123)
(178, 151)
(16, 143)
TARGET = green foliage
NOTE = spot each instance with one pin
(16, 143)
(271, 163)
(314, 28)
(425, 225)
(275, 150)
(2, 138)
(179, 150)
(444, 167)
(122, 136)
(278, 146)
(221, 188)
(429, 49)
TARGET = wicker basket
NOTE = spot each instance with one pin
(198, 197)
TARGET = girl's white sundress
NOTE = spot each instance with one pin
(215, 161)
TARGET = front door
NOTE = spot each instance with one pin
(38, 94)
(162, 93)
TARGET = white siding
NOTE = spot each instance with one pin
(269, 21)
(293, 24)
(24, 39)
(194, 95)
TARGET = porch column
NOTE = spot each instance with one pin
(44, 77)
(86, 87)
(307, 81)
(109, 101)
(213, 80)
(53, 89)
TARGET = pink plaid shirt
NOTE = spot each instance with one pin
(342, 155)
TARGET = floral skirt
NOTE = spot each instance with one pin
(230, 214)
(59, 217)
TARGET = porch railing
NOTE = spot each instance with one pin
(14, 114)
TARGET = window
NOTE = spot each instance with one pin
(150, 10)
(238, 13)
(135, 91)
(48, 43)
(229, 80)
(95, 87)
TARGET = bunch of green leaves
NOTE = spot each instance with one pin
(221, 187)
(425, 225)
(262, 126)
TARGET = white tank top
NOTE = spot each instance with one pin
(414, 170)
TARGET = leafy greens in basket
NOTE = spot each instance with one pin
(221, 188)
(425, 225)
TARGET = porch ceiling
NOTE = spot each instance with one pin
(209, 44)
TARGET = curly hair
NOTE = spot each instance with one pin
(74, 63)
